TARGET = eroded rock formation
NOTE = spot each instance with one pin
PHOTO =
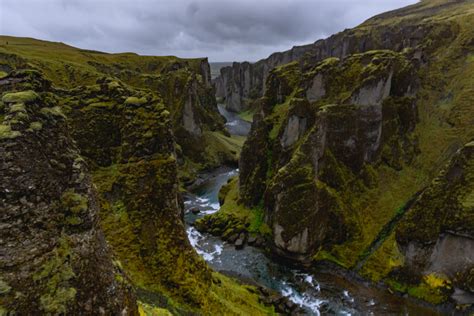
(54, 257)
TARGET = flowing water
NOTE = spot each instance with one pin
(317, 292)
(235, 125)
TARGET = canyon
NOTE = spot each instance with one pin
(143, 185)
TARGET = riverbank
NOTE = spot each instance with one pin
(323, 290)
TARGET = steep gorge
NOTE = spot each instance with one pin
(91, 148)
(347, 131)
(359, 156)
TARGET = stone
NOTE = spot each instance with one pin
(251, 241)
(232, 238)
(240, 242)
(295, 127)
(53, 226)
(317, 90)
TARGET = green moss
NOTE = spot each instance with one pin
(57, 273)
(20, 97)
(220, 148)
(4, 287)
(385, 259)
(36, 126)
(18, 107)
(323, 255)
(290, 73)
(277, 118)
(434, 289)
(247, 115)
(53, 111)
(326, 64)
(150, 310)
(468, 201)
(135, 101)
(106, 105)
(7, 133)
(74, 202)
(445, 205)
(232, 298)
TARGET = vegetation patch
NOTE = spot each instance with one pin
(57, 274)
(20, 97)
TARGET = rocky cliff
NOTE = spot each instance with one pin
(436, 237)
(183, 84)
(93, 217)
(347, 138)
(240, 84)
(326, 127)
(54, 257)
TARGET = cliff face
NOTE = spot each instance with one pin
(127, 135)
(341, 148)
(437, 234)
(84, 161)
(319, 148)
(242, 83)
(54, 256)
(183, 84)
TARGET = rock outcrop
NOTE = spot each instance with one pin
(437, 234)
(54, 257)
(136, 177)
(318, 147)
(183, 84)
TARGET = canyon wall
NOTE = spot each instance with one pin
(55, 259)
(91, 148)
(346, 142)
(242, 83)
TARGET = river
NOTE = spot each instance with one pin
(316, 291)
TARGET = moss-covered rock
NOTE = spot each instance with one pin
(182, 85)
(234, 219)
(20, 97)
(436, 234)
(343, 146)
(312, 153)
(130, 149)
(56, 258)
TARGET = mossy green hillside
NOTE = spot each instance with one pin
(69, 66)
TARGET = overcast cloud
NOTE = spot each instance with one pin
(223, 30)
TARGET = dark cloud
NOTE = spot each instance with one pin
(224, 30)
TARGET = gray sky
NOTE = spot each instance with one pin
(223, 30)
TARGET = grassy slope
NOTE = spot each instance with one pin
(67, 66)
(446, 123)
